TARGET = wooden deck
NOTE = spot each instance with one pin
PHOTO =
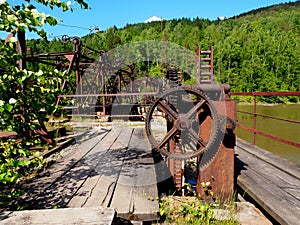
(112, 168)
(271, 181)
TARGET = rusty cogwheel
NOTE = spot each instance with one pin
(185, 118)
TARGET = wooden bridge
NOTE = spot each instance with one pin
(111, 168)
(111, 172)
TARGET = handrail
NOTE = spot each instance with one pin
(271, 117)
(272, 93)
(255, 114)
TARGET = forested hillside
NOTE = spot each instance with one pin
(254, 51)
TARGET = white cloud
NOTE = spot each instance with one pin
(154, 18)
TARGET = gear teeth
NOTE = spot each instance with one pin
(210, 154)
(214, 142)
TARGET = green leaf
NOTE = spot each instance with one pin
(24, 163)
(51, 21)
(19, 80)
(8, 107)
(12, 179)
(161, 212)
(43, 34)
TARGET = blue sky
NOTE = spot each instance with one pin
(105, 14)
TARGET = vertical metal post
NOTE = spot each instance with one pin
(198, 79)
(103, 92)
(21, 48)
(211, 63)
(254, 125)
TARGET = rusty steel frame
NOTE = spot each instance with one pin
(255, 114)
(112, 95)
(220, 171)
(267, 94)
(72, 61)
(109, 82)
(271, 117)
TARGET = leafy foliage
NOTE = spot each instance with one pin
(181, 210)
(15, 162)
(26, 96)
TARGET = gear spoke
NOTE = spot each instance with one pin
(195, 109)
(196, 137)
(185, 117)
(168, 136)
(167, 109)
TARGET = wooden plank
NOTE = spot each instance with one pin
(269, 196)
(90, 161)
(294, 191)
(99, 186)
(98, 156)
(145, 191)
(268, 171)
(56, 170)
(273, 176)
(116, 156)
(63, 190)
(91, 216)
(275, 160)
(43, 181)
(86, 190)
(138, 180)
(270, 180)
(60, 192)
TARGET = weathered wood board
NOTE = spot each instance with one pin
(89, 216)
(137, 183)
(106, 160)
(273, 182)
(56, 186)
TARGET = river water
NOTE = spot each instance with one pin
(289, 131)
